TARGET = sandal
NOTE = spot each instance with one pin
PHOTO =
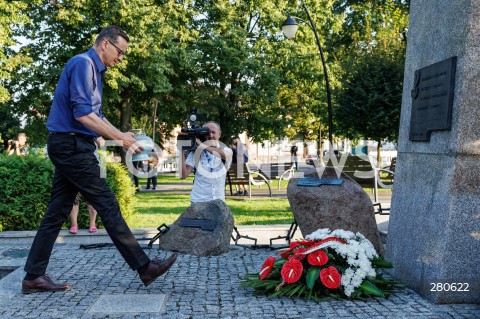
(92, 229)
(73, 230)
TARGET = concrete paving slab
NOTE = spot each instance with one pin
(129, 303)
(9, 285)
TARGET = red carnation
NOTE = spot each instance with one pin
(330, 277)
(292, 271)
(267, 267)
(317, 258)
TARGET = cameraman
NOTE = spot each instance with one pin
(18, 147)
(208, 160)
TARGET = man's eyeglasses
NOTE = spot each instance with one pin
(120, 52)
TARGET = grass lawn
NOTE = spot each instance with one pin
(154, 209)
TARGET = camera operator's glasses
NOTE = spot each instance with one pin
(120, 52)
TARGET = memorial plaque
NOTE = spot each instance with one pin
(204, 224)
(432, 99)
(315, 182)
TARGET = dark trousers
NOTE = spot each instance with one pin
(77, 170)
(153, 179)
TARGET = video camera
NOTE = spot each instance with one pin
(194, 130)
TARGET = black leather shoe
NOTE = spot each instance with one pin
(43, 283)
(156, 268)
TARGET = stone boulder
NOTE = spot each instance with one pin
(345, 207)
(209, 233)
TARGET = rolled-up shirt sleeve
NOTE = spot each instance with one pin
(82, 87)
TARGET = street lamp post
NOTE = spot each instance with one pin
(154, 119)
(289, 28)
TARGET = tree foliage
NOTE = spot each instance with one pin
(369, 103)
(62, 29)
(227, 58)
(10, 59)
(372, 49)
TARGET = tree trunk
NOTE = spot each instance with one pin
(320, 148)
(379, 156)
(125, 120)
(126, 115)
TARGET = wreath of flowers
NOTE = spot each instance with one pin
(338, 264)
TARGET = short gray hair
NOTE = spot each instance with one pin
(213, 122)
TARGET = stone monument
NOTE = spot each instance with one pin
(434, 229)
(344, 206)
(203, 229)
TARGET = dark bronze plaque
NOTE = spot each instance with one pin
(204, 224)
(315, 182)
(432, 99)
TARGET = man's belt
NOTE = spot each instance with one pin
(85, 136)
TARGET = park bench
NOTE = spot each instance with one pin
(278, 171)
(244, 175)
(363, 172)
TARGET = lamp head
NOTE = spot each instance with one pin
(290, 27)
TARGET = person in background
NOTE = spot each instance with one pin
(75, 120)
(239, 157)
(293, 154)
(74, 216)
(211, 161)
(139, 166)
(99, 142)
(18, 147)
(152, 166)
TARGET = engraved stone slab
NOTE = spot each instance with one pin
(201, 241)
(138, 303)
(432, 99)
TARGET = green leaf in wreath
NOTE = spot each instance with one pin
(370, 289)
(279, 263)
(381, 263)
(312, 276)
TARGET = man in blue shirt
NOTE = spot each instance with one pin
(75, 121)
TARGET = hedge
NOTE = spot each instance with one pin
(25, 192)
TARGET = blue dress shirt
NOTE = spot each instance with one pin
(78, 93)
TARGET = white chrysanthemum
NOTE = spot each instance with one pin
(343, 250)
(355, 244)
(357, 281)
(352, 262)
(344, 234)
(349, 290)
(358, 252)
(345, 281)
(364, 262)
(360, 235)
(319, 234)
(361, 273)
(349, 272)
(351, 254)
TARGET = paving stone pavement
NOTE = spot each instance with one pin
(195, 287)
